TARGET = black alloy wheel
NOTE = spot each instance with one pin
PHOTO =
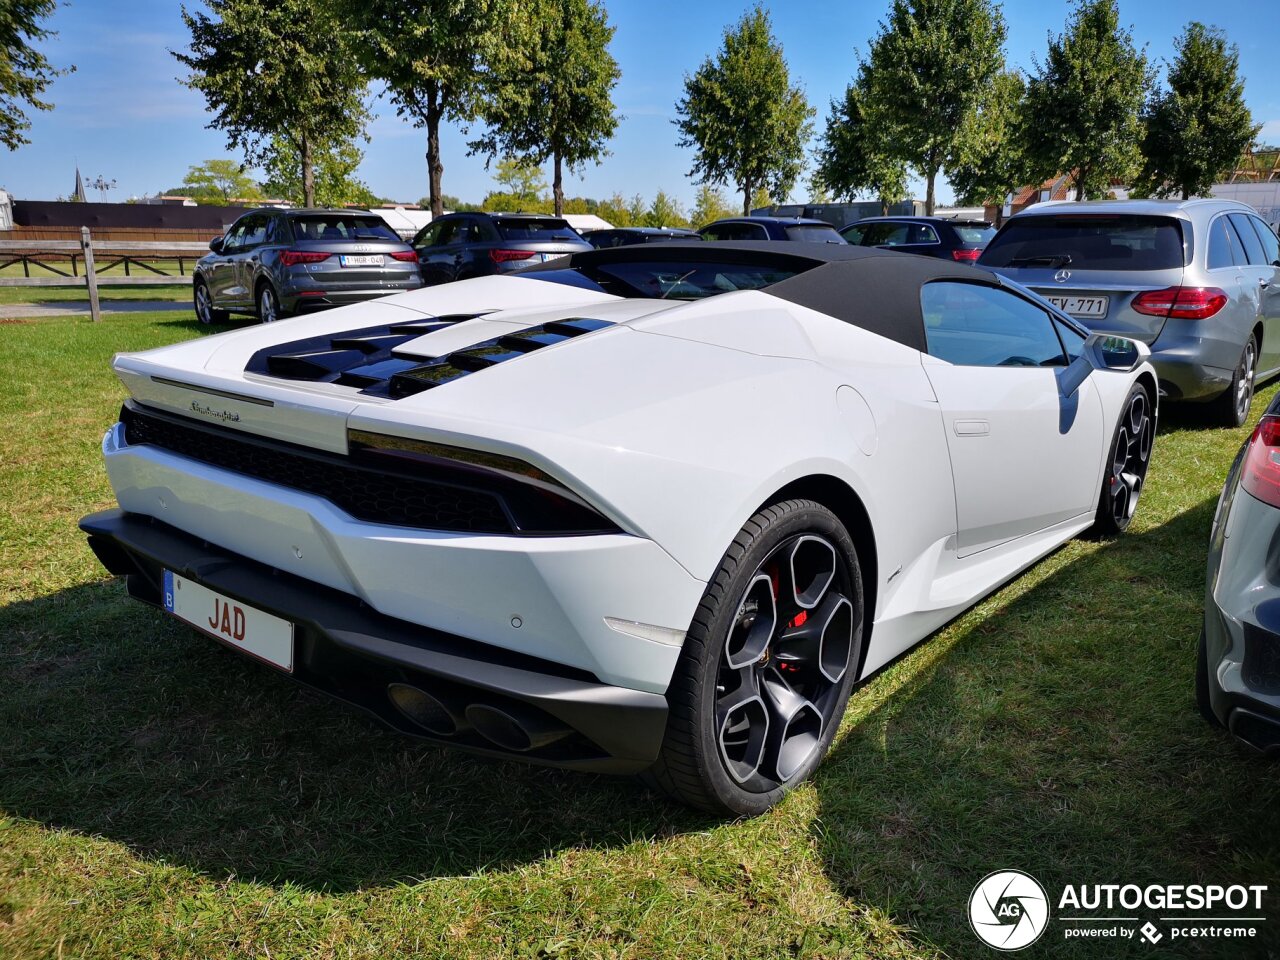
(1126, 473)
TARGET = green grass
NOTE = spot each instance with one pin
(40, 295)
(162, 797)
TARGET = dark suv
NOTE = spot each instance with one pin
(962, 240)
(771, 228)
(273, 262)
(459, 246)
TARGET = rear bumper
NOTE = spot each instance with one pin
(1193, 367)
(344, 648)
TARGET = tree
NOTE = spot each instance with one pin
(218, 182)
(1085, 100)
(856, 154)
(555, 100)
(665, 211)
(1200, 126)
(928, 69)
(614, 210)
(432, 56)
(990, 163)
(710, 205)
(334, 166)
(25, 73)
(264, 75)
(520, 178)
(740, 112)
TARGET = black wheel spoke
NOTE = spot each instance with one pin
(1132, 454)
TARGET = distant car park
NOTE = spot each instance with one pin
(459, 246)
(272, 263)
(961, 240)
(771, 228)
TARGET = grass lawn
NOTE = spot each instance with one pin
(122, 292)
(163, 797)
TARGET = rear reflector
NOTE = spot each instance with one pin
(1188, 303)
(966, 256)
(1260, 472)
(406, 256)
(505, 256)
(291, 258)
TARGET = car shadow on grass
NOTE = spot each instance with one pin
(120, 722)
(1055, 733)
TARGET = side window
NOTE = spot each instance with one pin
(1270, 243)
(429, 235)
(448, 233)
(854, 235)
(1252, 245)
(235, 236)
(1072, 339)
(1222, 253)
(277, 231)
(255, 232)
(973, 325)
(921, 233)
(484, 230)
(885, 235)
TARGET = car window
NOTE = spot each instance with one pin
(1252, 245)
(853, 235)
(341, 226)
(451, 231)
(429, 235)
(921, 233)
(813, 233)
(1091, 241)
(1270, 243)
(974, 232)
(1223, 245)
(231, 242)
(1072, 339)
(884, 234)
(974, 325)
(734, 231)
(542, 228)
(277, 231)
(255, 231)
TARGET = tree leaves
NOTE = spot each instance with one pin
(25, 73)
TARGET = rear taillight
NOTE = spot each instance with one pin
(405, 256)
(291, 258)
(1260, 472)
(1187, 303)
(966, 256)
(506, 256)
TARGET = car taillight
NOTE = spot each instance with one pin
(291, 258)
(966, 256)
(505, 256)
(1188, 303)
(1260, 472)
(405, 256)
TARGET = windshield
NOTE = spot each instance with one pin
(974, 232)
(667, 280)
(814, 233)
(341, 226)
(1087, 242)
(548, 228)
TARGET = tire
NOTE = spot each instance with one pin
(1127, 464)
(268, 304)
(755, 703)
(202, 300)
(1202, 683)
(1232, 408)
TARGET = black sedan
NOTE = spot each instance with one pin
(771, 228)
(960, 240)
(1238, 669)
(273, 263)
(459, 246)
(626, 236)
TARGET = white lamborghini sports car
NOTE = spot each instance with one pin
(651, 509)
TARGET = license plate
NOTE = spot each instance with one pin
(546, 257)
(248, 629)
(361, 260)
(1081, 306)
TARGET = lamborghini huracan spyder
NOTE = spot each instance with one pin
(653, 509)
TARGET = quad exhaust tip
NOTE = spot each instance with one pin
(436, 713)
(515, 727)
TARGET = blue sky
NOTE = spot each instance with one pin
(124, 115)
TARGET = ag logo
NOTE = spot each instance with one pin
(1062, 276)
(1008, 910)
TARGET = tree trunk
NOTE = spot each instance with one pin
(435, 166)
(557, 187)
(746, 198)
(1081, 177)
(884, 205)
(308, 174)
(929, 191)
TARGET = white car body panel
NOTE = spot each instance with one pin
(677, 424)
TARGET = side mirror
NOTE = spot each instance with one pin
(216, 244)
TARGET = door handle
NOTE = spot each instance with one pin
(972, 428)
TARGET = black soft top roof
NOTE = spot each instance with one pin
(878, 290)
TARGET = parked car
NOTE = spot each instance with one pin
(771, 228)
(961, 240)
(273, 263)
(625, 236)
(459, 246)
(1238, 660)
(578, 515)
(1197, 280)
